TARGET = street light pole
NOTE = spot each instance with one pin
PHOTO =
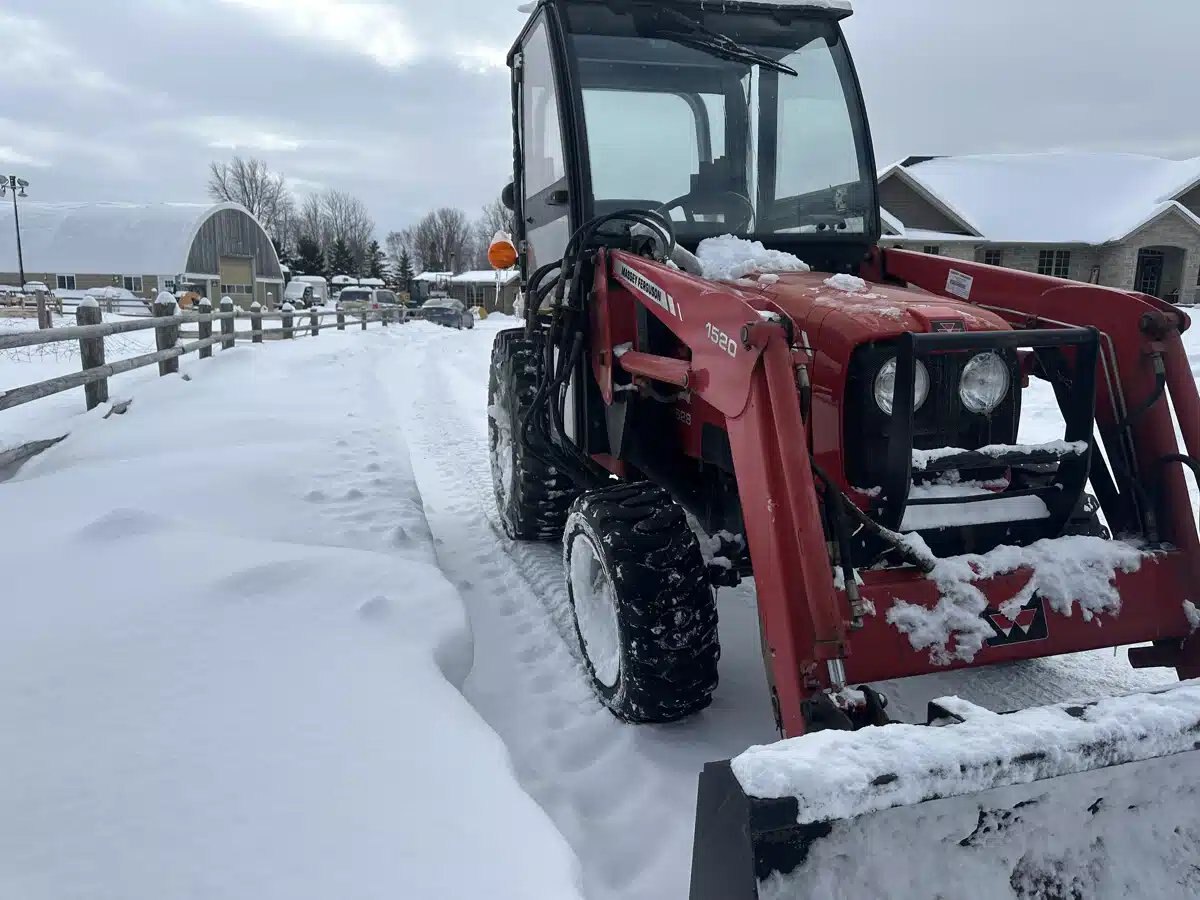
(12, 180)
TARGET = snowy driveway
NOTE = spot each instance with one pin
(234, 622)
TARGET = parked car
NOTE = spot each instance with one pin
(359, 298)
(320, 288)
(449, 312)
(299, 294)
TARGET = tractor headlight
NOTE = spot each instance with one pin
(885, 386)
(985, 383)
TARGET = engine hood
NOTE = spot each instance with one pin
(829, 314)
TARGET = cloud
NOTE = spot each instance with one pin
(10, 156)
(375, 30)
(239, 134)
(34, 54)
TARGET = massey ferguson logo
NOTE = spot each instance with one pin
(648, 289)
(1029, 625)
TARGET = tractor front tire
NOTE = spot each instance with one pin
(532, 497)
(645, 614)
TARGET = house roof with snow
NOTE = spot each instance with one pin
(486, 276)
(1039, 198)
(135, 238)
(434, 276)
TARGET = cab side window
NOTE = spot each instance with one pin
(545, 171)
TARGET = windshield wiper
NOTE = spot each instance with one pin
(689, 33)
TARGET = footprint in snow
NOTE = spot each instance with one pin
(354, 494)
(122, 523)
(316, 497)
(376, 608)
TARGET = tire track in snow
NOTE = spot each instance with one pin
(623, 796)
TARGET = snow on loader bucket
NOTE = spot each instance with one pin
(1096, 800)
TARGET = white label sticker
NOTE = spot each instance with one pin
(959, 284)
(648, 289)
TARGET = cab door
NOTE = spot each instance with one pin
(543, 183)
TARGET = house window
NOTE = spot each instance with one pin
(133, 283)
(993, 257)
(1055, 262)
(66, 282)
(933, 250)
(234, 290)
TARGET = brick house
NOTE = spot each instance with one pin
(1116, 219)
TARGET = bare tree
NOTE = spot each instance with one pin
(443, 241)
(251, 183)
(495, 217)
(333, 215)
(346, 217)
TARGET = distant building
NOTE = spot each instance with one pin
(1126, 221)
(494, 291)
(219, 250)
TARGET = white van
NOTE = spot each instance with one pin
(316, 295)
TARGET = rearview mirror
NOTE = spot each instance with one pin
(508, 197)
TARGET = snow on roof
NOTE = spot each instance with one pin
(1055, 198)
(103, 238)
(434, 276)
(486, 276)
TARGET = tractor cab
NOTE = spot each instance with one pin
(741, 118)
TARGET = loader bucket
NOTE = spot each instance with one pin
(1090, 800)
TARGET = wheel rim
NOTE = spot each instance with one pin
(595, 610)
(502, 452)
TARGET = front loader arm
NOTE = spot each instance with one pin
(742, 364)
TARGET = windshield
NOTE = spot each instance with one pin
(354, 295)
(723, 143)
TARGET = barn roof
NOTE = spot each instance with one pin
(105, 238)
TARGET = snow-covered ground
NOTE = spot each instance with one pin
(264, 637)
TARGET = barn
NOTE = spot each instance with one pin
(219, 250)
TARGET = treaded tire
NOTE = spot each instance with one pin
(532, 497)
(664, 609)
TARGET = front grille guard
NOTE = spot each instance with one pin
(1077, 402)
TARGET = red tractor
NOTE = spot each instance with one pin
(799, 420)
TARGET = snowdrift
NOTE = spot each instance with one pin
(231, 664)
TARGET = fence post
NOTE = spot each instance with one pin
(341, 318)
(165, 336)
(287, 309)
(314, 322)
(91, 351)
(365, 313)
(205, 308)
(43, 313)
(256, 321)
(227, 324)
(385, 314)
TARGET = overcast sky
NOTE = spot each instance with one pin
(405, 103)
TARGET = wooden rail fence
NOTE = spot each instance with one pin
(166, 321)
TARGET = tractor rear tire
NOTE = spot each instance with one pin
(532, 497)
(645, 614)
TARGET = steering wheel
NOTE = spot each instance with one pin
(737, 207)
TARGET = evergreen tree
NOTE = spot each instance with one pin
(340, 258)
(285, 256)
(404, 271)
(309, 260)
(376, 262)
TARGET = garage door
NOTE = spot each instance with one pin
(237, 278)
